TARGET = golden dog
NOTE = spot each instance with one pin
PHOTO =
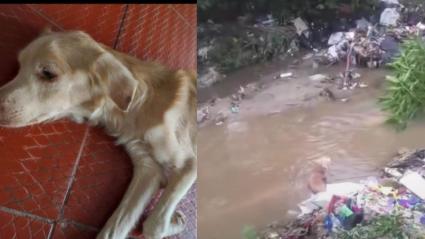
(148, 108)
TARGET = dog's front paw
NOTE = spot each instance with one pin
(178, 223)
(153, 228)
(157, 227)
(104, 234)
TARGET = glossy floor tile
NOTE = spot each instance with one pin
(63, 180)
(159, 32)
(22, 226)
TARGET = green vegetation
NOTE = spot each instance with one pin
(249, 232)
(387, 226)
(405, 93)
(282, 10)
(235, 52)
(232, 47)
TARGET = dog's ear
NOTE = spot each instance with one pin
(120, 84)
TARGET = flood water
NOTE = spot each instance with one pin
(252, 171)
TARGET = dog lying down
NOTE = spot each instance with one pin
(148, 108)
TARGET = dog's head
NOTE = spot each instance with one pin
(63, 74)
(323, 161)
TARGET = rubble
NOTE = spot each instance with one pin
(361, 210)
(368, 45)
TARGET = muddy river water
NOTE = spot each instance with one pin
(253, 170)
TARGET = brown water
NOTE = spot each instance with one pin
(252, 171)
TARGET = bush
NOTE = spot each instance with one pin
(234, 52)
(405, 92)
(284, 10)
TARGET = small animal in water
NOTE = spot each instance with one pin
(317, 178)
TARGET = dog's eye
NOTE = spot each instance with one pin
(47, 74)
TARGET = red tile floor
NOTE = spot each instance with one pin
(63, 180)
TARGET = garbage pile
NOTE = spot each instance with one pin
(391, 206)
(368, 44)
(204, 111)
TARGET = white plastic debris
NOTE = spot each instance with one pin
(421, 26)
(393, 172)
(220, 118)
(300, 25)
(333, 52)
(363, 85)
(414, 182)
(203, 52)
(350, 35)
(318, 77)
(286, 75)
(356, 75)
(268, 22)
(335, 38)
(389, 17)
(320, 200)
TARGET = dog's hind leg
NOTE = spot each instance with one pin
(147, 177)
(164, 221)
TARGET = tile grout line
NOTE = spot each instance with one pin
(74, 171)
(52, 229)
(71, 181)
(124, 17)
(180, 15)
(26, 214)
(45, 219)
(44, 17)
(81, 225)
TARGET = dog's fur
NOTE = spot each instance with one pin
(317, 178)
(150, 109)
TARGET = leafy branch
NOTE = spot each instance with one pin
(405, 93)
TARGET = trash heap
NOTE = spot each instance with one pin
(391, 206)
(367, 44)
